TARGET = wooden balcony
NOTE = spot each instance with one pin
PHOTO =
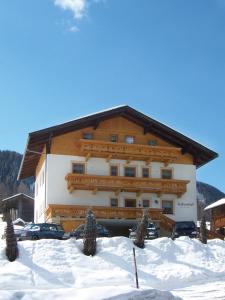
(110, 150)
(100, 212)
(127, 184)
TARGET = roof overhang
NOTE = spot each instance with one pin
(39, 139)
(215, 204)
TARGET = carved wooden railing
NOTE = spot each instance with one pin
(78, 211)
(128, 184)
(111, 150)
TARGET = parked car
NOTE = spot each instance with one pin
(184, 228)
(18, 230)
(152, 232)
(43, 231)
(78, 233)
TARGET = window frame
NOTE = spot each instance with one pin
(118, 169)
(173, 207)
(149, 203)
(152, 142)
(117, 202)
(129, 199)
(111, 138)
(78, 163)
(169, 169)
(130, 167)
(127, 137)
(142, 172)
(90, 133)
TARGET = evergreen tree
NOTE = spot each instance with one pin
(203, 230)
(12, 251)
(141, 231)
(90, 233)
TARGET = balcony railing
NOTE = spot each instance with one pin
(128, 184)
(100, 212)
(110, 150)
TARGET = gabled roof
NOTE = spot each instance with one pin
(215, 204)
(38, 139)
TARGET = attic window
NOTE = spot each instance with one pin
(129, 139)
(152, 142)
(114, 138)
(87, 136)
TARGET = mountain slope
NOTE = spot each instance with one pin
(9, 167)
(207, 194)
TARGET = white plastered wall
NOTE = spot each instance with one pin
(58, 166)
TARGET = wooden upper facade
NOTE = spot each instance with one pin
(122, 133)
(218, 215)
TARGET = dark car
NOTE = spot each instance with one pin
(78, 233)
(43, 231)
(184, 228)
(152, 232)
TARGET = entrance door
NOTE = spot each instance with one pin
(130, 202)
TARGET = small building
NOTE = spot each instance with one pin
(21, 206)
(217, 216)
(117, 161)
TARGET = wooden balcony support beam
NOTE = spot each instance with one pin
(88, 155)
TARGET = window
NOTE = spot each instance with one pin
(145, 172)
(166, 173)
(87, 135)
(78, 168)
(114, 202)
(129, 139)
(129, 172)
(167, 207)
(152, 142)
(113, 170)
(130, 202)
(146, 203)
(114, 138)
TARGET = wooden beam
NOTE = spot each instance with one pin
(87, 157)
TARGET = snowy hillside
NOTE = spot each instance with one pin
(52, 269)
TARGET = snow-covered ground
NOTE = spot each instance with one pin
(52, 269)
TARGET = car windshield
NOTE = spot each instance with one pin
(151, 226)
(185, 225)
(32, 227)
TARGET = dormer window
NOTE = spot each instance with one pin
(87, 136)
(129, 139)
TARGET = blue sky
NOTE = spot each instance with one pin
(61, 59)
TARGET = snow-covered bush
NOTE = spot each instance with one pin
(90, 233)
(203, 230)
(141, 231)
(11, 241)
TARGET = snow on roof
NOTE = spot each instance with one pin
(215, 204)
(88, 115)
(17, 195)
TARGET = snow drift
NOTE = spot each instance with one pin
(52, 269)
